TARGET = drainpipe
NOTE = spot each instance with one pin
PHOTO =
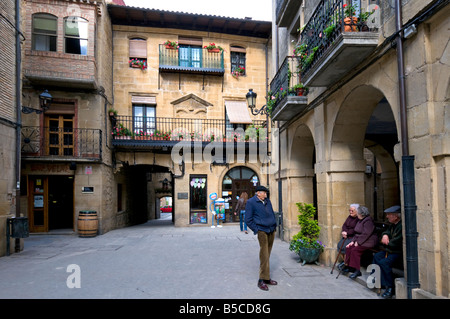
(18, 115)
(409, 199)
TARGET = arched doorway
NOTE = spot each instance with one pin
(237, 180)
(300, 181)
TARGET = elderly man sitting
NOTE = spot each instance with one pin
(392, 240)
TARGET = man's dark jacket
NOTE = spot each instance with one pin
(259, 215)
(394, 233)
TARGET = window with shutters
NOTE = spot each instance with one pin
(44, 32)
(237, 56)
(138, 53)
(75, 35)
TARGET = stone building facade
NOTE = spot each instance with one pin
(75, 155)
(8, 117)
(346, 142)
(165, 96)
(66, 155)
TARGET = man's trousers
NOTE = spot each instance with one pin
(265, 248)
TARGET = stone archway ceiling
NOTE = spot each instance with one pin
(382, 127)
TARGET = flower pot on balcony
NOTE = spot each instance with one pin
(214, 50)
(169, 47)
(300, 91)
(351, 24)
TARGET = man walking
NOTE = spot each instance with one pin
(260, 218)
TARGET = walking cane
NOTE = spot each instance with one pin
(340, 249)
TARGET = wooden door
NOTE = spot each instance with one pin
(59, 135)
(37, 204)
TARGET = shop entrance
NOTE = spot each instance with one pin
(50, 203)
(237, 180)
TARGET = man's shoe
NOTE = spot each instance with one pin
(341, 266)
(271, 282)
(348, 269)
(388, 293)
(355, 274)
(262, 285)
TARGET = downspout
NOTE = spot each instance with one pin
(18, 115)
(280, 184)
(409, 199)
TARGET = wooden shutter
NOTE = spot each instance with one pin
(190, 41)
(138, 48)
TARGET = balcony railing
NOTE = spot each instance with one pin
(283, 88)
(337, 33)
(58, 142)
(191, 60)
(169, 131)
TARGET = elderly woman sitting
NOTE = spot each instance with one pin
(364, 238)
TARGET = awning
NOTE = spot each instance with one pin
(237, 112)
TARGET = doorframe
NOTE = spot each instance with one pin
(32, 193)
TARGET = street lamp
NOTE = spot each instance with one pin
(251, 101)
(45, 100)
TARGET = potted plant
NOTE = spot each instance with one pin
(306, 242)
(350, 20)
(238, 71)
(121, 133)
(138, 63)
(329, 30)
(142, 135)
(171, 45)
(112, 113)
(364, 16)
(212, 47)
(300, 89)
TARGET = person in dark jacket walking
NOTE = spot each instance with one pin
(365, 238)
(260, 218)
(392, 240)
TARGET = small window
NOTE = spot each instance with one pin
(44, 32)
(75, 35)
(237, 56)
(138, 53)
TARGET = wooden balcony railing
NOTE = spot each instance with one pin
(191, 60)
(61, 142)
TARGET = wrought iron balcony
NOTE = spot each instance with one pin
(286, 99)
(61, 143)
(162, 132)
(335, 40)
(191, 60)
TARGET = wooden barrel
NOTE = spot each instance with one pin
(87, 223)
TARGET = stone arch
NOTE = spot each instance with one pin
(345, 166)
(300, 176)
(347, 139)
